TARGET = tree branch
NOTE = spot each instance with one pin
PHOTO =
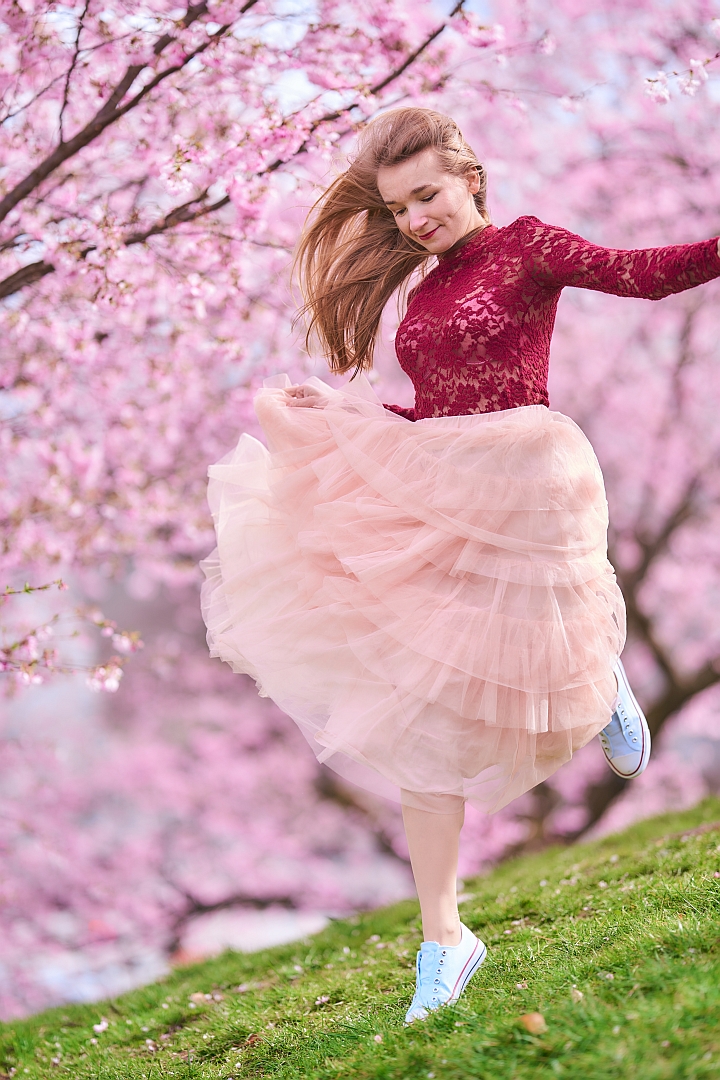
(678, 693)
(413, 56)
(73, 64)
(679, 689)
(194, 907)
(26, 275)
(112, 111)
(184, 213)
(376, 89)
(655, 546)
(630, 581)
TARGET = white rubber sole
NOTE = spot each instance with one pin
(644, 729)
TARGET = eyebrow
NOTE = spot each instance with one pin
(415, 191)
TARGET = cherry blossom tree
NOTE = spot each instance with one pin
(149, 158)
(157, 165)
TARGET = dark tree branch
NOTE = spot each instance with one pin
(184, 213)
(180, 214)
(677, 694)
(679, 689)
(421, 49)
(376, 89)
(73, 65)
(26, 275)
(329, 786)
(194, 907)
(674, 405)
(112, 110)
(654, 546)
(640, 625)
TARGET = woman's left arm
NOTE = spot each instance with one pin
(555, 258)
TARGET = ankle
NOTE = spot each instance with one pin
(448, 935)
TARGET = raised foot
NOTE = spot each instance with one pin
(626, 739)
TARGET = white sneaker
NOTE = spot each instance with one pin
(626, 739)
(443, 972)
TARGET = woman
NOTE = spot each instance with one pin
(426, 591)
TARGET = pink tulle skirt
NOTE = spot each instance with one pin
(431, 602)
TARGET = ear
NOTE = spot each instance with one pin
(473, 181)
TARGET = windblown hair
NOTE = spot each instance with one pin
(352, 256)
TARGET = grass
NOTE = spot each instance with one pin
(615, 943)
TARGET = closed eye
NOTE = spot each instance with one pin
(427, 198)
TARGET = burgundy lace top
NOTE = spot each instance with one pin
(476, 336)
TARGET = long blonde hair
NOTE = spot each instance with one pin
(352, 256)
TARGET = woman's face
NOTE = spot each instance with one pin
(429, 204)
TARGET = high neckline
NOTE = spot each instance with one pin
(470, 239)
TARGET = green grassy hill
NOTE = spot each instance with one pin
(615, 943)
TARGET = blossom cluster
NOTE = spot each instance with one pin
(30, 657)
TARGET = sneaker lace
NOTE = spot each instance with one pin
(626, 722)
(431, 968)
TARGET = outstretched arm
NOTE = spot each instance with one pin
(555, 258)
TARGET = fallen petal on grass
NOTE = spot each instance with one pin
(534, 1022)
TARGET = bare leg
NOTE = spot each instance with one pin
(433, 841)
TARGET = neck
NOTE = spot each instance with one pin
(473, 231)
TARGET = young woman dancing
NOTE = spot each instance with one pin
(426, 591)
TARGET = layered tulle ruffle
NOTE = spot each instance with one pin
(431, 602)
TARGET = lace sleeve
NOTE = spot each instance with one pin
(555, 258)
(409, 414)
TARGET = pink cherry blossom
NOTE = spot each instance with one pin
(156, 170)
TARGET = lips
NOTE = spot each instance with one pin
(428, 235)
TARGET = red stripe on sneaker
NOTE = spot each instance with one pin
(477, 944)
(629, 776)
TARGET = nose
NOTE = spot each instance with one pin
(418, 223)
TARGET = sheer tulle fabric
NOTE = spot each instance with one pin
(431, 602)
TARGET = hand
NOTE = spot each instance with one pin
(305, 397)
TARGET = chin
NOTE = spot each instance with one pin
(438, 249)
(436, 244)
